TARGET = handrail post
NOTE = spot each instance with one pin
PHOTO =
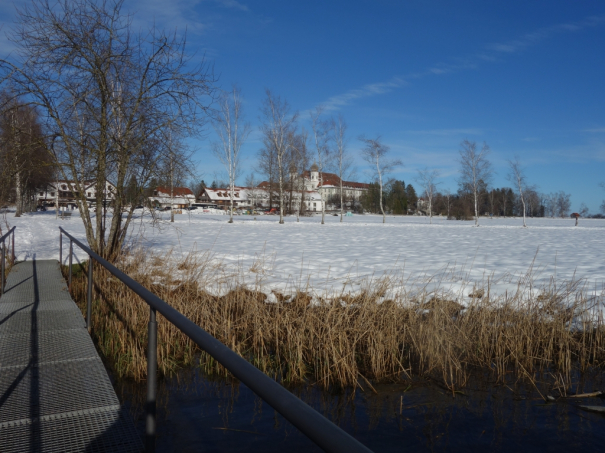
(71, 251)
(60, 248)
(152, 368)
(13, 251)
(89, 301)
(3, 270)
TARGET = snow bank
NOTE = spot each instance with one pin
(450, 256)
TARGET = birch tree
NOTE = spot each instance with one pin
(232, 133)
(80, 62)
(517, 177)
(376, 154)
(278, 123)
(301, 154)
(321, 138)
(475, 171)
(343, 161)
(426, 178)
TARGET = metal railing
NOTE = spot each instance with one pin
(11, 232)
(311, 423)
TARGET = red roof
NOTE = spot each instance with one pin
(332, 179)
(177, 191)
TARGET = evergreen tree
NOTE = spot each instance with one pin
(398, 200)
(133, 194)
(412, 198)
(370, 200)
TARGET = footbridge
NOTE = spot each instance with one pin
(55, 393)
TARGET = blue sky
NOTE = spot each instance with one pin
(526, 77)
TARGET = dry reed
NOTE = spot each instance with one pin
(347, 340)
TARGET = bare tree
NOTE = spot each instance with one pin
(343, 160)
(321, 136)
(375, 153)
(25, 161)
(532, 198)
(108, 95)
(563, 204)
(252, 190)
(174, 166)
(267, 165)
(448, 195)
(228, 126)
(301, 162)
(517, 177)
(583, 212)
(278, 123)
(475, 170)
(426, 178)
(550, 203)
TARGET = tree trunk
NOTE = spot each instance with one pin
(281, 193)
(232, 189)
(384, 219)
(341, 201)
(476, 210)
(171, 190)
(18, 194)
(323, 206)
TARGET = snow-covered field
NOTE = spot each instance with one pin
(452, 255)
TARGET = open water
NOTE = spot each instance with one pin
(199, 414)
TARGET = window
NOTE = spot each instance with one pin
(88, 194)
(41, 194)
(52, 194)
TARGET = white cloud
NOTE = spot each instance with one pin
(372, 89)
(489, 54)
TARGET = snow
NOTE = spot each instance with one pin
(451, 256)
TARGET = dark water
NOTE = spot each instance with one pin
(202, 415)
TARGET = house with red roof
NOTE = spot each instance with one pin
(328, 185)
(177, 198)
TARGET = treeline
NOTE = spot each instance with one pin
(401, 199)
(25, 159)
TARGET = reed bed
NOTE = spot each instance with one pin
(344, 340)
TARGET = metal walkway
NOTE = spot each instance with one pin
(55, 394)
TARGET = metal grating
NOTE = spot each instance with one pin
(33, 391)
(48, 285)
(21, 321)
(50, 346)
(65, 304)
(104, 430)
(55, 394)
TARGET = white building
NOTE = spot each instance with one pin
(67, 193)
(182, 197)
(328, 185)
(258, 197)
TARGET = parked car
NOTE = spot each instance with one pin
(191, 208)
(40, 208)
